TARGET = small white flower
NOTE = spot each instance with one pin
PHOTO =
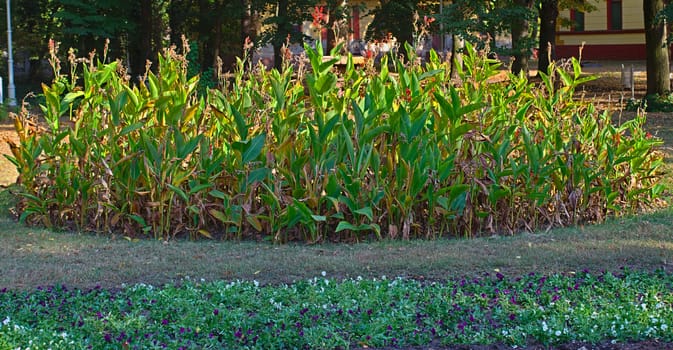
(544, 326)
(323, 273)
(664, 327)
(256, 283)
(6, 321)
(558, 333)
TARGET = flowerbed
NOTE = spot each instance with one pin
(317, 155)
(325, 313)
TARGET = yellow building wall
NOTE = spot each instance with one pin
(602, 39)
(632, 16)
(598, 18)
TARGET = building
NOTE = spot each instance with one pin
(613, 31)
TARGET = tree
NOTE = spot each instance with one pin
(549, 11)
(283, 18)
(393, 17)
(656, 48)
(521, 45)
(33, 23)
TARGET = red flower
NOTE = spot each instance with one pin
(318, 15)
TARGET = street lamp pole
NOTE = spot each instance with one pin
(11, 90)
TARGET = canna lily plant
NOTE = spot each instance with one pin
(322, 155)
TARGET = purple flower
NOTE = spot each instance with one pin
(555, 298)
(164, 322)
(499, 276)
(108, 337)
(182, 330)
(216, 311)
(512, 317)
(238, 333)
(369, 312)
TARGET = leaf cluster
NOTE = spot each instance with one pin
(323, 155)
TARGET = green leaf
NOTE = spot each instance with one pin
(254, 149)
(366, 211)
(179, 192)
(130, 128)
(217, 194)
(241, 125)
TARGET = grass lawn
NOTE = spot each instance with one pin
(606, 286)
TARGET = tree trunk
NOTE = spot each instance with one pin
(546, 52)
(248, 30)
(520, 27)
(658, 71)
(456, 55)
(282, 31)
(141, 50)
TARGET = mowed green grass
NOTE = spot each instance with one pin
(31, 257)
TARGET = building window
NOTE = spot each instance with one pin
(577, 19)
(614, 14)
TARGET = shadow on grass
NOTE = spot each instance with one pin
(30, 257)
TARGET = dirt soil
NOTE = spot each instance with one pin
(8, 171)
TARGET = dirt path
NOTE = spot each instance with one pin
(8, 171)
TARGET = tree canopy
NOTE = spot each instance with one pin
(139, 29)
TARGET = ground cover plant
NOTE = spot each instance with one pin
(318, 155)
(326, 313)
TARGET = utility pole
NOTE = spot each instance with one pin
(11, 90)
